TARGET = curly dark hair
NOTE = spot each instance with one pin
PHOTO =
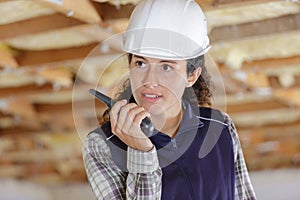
(200, 93)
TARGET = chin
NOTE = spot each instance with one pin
(156, 110)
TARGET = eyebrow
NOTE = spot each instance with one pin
(161, 61)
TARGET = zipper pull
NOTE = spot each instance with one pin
(173, 140)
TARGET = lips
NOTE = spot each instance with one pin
(151, 97)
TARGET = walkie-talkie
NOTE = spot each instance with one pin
(146, 124)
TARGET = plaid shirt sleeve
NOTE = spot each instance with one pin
(243, 186)
(143, 181)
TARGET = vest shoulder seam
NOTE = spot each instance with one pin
(214, 120)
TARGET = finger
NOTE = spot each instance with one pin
(114, 112)
(136, 125)
(131, 115)
(123, 115)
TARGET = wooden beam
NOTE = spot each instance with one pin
(21, 10)
(289, 96)
(207, 4)
(108, 11)
(252, 101)
(36, 25)
(280, 72)
(253, 106)
(7, 58)
(18, 106)
(60, 76)
(264, 118)
(27, 58)
(257, 28)
(79, 9)
(25, 89)
(239, 2)
(271, 63)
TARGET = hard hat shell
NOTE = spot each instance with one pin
(167, 29)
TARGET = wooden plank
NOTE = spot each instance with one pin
(254, 106)
(56, 39)
(60, 76)
(26, 89)
(79, 9)
(239, 2)
(36, 25)
(272, 63)
(17, 106)
(255, 135)
(207, 4)
(264, 118)
(27, 58)
(257, 28)
(7, 58)
(108, 11)
(289, 96)
(15, 10)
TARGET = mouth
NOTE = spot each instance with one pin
(151, 97)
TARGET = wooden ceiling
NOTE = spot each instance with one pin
(43, 46)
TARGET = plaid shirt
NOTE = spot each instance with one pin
(143, 181)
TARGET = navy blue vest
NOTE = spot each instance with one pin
(197, 164)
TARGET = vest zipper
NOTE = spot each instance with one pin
(174, 144)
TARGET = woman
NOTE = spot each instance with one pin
(194, 152)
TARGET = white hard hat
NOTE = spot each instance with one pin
(167, 29)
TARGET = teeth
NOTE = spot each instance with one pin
(151, 96)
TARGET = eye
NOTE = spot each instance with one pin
(140, 64)
(166, 68)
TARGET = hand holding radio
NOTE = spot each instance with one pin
(129, 122)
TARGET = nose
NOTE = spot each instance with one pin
(150, 78)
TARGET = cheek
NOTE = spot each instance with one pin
(175, 87)
(135, 80)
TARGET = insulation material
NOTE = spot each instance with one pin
(17, 106)
(57, 143)
(63, 38)
(266, 117)
(291, 96)
(21, 10)
(286, 80)
(293, 69)
(6, 122)
(79, 9)
(57, 97)
(234, 53)
(7, 57)
(258, 79)
(235, 15)
(17, 79)
(246, 97)
(57, 75)
(119, 2)
(103, 71)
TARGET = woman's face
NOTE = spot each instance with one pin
(158, 85)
